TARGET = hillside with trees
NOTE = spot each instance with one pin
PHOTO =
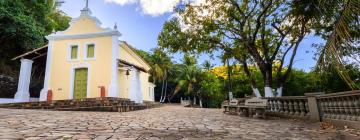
(23, 27)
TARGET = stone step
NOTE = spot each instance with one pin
(89, 104)
(94, 108)
(105, 108)
(122, 108)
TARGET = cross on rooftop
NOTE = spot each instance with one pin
(87, 4)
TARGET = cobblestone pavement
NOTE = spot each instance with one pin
(167, 122)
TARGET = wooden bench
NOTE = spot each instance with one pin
(254, 107)
(231, 107)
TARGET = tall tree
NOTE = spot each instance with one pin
(189, 77)
(161, 64)
(268, 31)
(23, 25)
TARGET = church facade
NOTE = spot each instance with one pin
(88, 61)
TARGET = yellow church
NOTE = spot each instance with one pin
(85, 59)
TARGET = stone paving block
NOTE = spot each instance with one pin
(164, 123)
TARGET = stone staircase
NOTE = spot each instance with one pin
(108, 104)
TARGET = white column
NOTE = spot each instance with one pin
(135, 89)
(114, 86)
(22, 94)
(138, 83)
(133, 85)
(152, 92)
(46, 87)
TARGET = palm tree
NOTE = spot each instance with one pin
(189, 78)
(161, 63)
(342, 37)
(156, 71)
(207, 65)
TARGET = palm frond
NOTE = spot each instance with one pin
(338, 42)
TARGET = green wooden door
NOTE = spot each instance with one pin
(80, 83)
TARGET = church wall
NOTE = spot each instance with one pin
(98, 69)
(124, 84)
(83, 25)
(145, 86)
(125, 55)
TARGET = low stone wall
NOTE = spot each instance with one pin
(290, 106)
(341, 109)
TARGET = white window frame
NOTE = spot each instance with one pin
(69, 52)
(86, 50)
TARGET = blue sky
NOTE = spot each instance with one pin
(140, 22)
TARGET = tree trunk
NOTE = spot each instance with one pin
(279, 91)
(200, 102)
(268, 91)
(194, 101)
(282, 79)
(229, 79)
(168, 98)
(165, 92)
(162, 89)
(268, 81)
(256, 91)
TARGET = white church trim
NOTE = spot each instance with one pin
(46, 87)
(114, 84)
(83, 36)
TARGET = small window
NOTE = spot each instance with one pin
(90, 51)
(74, 52)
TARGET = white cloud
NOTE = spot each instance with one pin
(158, 7)
(155, 7)
(122, 2)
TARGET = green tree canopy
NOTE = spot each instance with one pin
(23, 26)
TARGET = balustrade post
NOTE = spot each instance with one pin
(357, 107)
(270, 106)
(313, 106)
(307, 109)
(286, 107)
(332, 106)
(296, 108)
(281, 108)
(326, 108)
(341, 109)
(352, 101)
(276, 105)
(347, 105)
(291, 107)
(335, 109)
(323, 108)
(302, 108)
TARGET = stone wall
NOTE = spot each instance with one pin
(341, 109)
(291, 106)
(8, 86)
